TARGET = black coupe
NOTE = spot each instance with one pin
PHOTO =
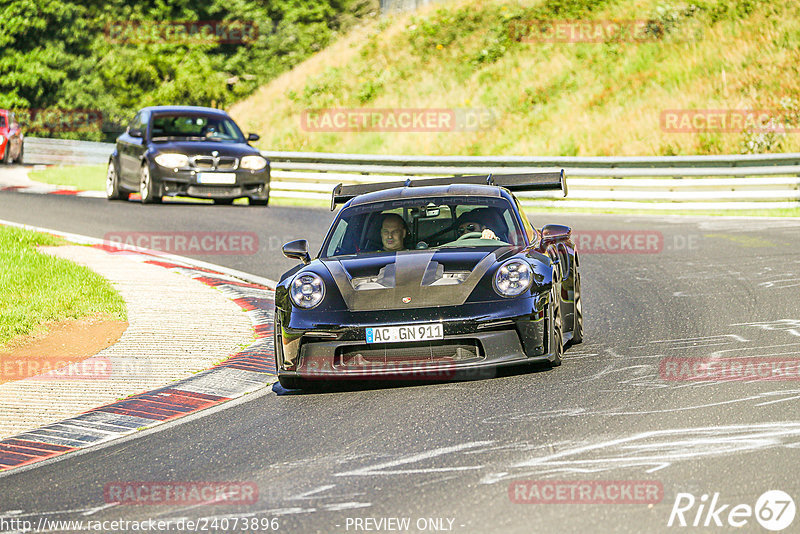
(429, 279)
(187, 151)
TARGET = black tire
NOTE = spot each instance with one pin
(113, 191)
(291, 382)
(577, 330)
(557, 329)
(257, 202)
(146, 187)
(223, 201)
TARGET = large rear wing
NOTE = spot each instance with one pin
(538, 181)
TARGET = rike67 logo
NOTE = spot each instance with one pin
(774, 510)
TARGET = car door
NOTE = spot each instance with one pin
(131, 145)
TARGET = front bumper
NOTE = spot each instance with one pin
(184, 183)
(472, 347)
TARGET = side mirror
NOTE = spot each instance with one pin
(553, 233)
(297, 250)
(253, 137)
(135, 132)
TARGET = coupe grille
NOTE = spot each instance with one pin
(409, 353)
(210, 163)
(213, 191)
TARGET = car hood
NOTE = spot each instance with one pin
(412, 279)
(205, 148)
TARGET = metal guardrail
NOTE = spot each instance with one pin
(44, 151)
(757, 181)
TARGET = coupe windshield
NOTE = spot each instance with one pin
(195, 127)
(422, 224)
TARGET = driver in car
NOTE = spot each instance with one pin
(393, 232)
(474, 221)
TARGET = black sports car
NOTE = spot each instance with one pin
(187, 151)
(436, 278)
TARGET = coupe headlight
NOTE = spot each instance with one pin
(513, 278)
(172, 161)
(307, 290)
(2, 139)
(253, 163)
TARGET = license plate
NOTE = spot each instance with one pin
(218, 178)
(397, 334)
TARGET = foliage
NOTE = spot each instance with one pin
(81, 55)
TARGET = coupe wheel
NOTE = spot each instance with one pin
(577, 330)
(558, 335)
(223, 201)
(146, 187)
(257, 202)
(113, 191)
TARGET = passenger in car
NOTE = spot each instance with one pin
(475, 221)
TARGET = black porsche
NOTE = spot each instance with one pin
(429, 279)
(187, 151)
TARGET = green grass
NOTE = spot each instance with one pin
(36, 288)
(84, 177)
(582, 99)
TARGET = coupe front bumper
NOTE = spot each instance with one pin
(184, 183)
(472, 346)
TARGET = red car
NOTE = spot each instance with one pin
(10, 138)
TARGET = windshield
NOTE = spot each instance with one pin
(422, 224)
(196, 128)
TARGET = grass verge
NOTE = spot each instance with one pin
(84, 177)
(36, 288)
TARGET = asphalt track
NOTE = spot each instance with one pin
(719, 288)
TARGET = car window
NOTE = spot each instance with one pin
(134, 124)
(2, 121)
(429, 224)
(196, 127)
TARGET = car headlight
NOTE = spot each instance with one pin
(307, 290)
(513, 278)
(253, 163)
(172, 161)
(2, 139)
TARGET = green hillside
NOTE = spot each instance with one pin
(493, 59)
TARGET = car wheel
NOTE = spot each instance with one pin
(112, 184)
(558, 335)
(577, 330)
(257, 202)
(223, 201)
(146, 187)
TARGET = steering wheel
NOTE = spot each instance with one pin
(470, 235)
